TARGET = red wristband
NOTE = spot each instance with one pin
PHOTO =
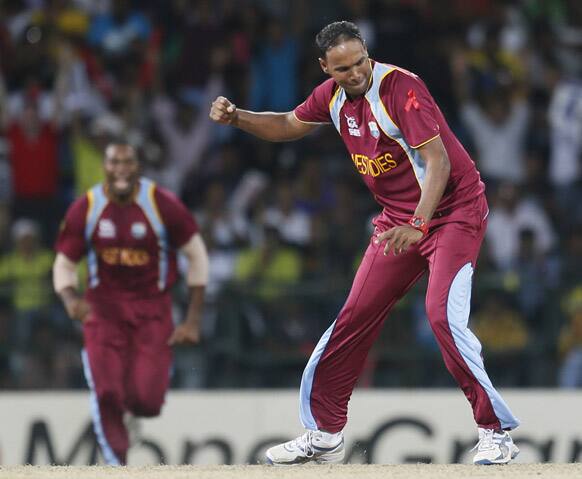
(419, 223)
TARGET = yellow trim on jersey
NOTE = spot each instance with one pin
(90, 202)
(372, 75)
(425, 142)
(152, 198)
(334, 98)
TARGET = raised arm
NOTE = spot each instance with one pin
(266, 125)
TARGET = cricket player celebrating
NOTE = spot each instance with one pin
(433, 219)
(130, 231)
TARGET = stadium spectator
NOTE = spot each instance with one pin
(292, 224)
(275, 64)
(511, 213)
(265, 272)
(195, 24)
(570, 342)
(314, 190)
(120, 33)
(186, 132)
(571, 258)
(494, 109)
(88, 140)
(498, 127)
(536, 276)
(270, 267)
(226, 233)
(25, 272)
(504, 332)
(565, 111)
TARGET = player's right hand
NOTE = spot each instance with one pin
(223, 111)
(78, 309)
(186, 333)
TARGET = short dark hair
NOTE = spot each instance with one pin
(335, 33)
(123, 141)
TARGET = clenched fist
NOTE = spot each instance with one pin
(223, 111)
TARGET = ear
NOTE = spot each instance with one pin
(323, 65)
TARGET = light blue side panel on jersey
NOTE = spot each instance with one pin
(97, 204)
(458, 308)
(335, 106)
(108, 454)
(387, 125)
(146, 200)
(307, 381)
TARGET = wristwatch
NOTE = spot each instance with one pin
(418, 223)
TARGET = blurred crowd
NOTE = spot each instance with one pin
(285, 224)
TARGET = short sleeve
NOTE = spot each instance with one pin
(71, 238)
(179, 222)
(412, 107)
(315, 109)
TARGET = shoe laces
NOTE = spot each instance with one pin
(487, 440)
(305, 443)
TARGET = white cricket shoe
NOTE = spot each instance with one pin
(310, 447)
(134, 426)
(494, 448)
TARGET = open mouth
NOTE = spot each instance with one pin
(122, 184)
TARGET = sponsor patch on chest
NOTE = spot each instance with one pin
(106, 228)
(353, 128)
(138, 230)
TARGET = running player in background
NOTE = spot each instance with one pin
(130, 231)
(433, 219)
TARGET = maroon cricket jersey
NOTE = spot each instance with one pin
(382, 131)
(131, 248)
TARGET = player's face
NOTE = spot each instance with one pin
(348, 64)
(121, 171)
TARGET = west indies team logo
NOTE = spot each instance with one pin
(138, 230)
(374, 129)
(106, 229)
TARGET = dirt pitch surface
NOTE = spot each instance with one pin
(406, 471)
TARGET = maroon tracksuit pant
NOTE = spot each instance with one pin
(127, 365)
(449, 254)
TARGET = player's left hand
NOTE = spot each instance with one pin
(185, 333)
(399, 239)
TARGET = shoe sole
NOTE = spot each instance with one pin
(331, 459)
(502, 462)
